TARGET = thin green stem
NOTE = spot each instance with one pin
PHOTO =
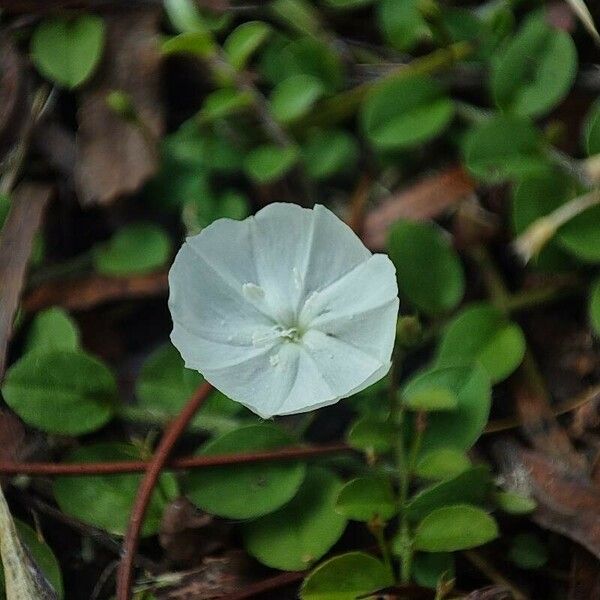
(377, 530)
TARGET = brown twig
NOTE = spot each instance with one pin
(154, 468)
(267, 585)
(188, 462)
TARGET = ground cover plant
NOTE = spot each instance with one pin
(299, 300)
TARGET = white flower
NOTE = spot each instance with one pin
(286, 311)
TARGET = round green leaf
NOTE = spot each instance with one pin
(592, 130)
(294, 96)
(301, 532)
(515, 504)
(442, 463)
(534, 86)
(429, 568)
(43, 557)
(134, 249)
(250, 490)
(270, 162)
(430, 274)
(528, 552)
(405, 112)
(594, 307)
(346, 577)
(461, 427)
(243, 41)
(223, 103)
(401, 23)
(371, 434)
(367, 499)
(431, 399)
(453, 528)
(52, 329)
(470, 487)
(328, 152)
(502, 148)
(68, 50)
(106, 501)
(64, 391)
(481, 333)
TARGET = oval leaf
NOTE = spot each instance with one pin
(243, 41)
(367, 499)
(269, 162)
(52, 329)
(293, 97)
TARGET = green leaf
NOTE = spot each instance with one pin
(165, 385)
(481, 333)
(371, 434)
(328, 152)
(198, 43)
(67, 51)
(503, 148)
(250, 490)
(461, 427)
(401, 23)
(52, 329)
(515, 504)
(367, 499)
(106, 501)
(243, 41)
(301, 532)
(453, 528)
(294, 97)
(442, 463)
(592, 130)
(269, 162)
(528, 552)
(64, 391)
(346, 577)
(429, 568)
(469, 487)
(430, 274)
(405, 112)
(42, 556)
(431, 399)
(134, 249)
(594, 307)
(185, 16)
(346, 4)
(532, 87)
(224, 103)
(4, 208)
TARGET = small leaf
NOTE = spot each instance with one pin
(134, 249)
(480, 333)
(185, 16)
(250, 490)
(504, 148)
(442, 463)
(224, 103)
(528, 552)
(269, 162)
(243, 41)
(198, 43)
(453, 528)
(429, 568)
(52, 329)
(294, 97)
(64, 391)
(346, 4)
(515, 504)
(430, 274)
(470, 487)
(106, 501)
(592, 130)
(431, 399)
(371, 434)
(461, 427)
(68, 50)
(367, 499)
(594, 307)
(346, 577)
(401, 23)
(404, 112)
(303, 530)
(328, 152)
(534, 86)
(23, 579)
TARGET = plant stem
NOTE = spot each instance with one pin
(377, 530)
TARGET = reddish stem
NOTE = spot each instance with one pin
(187, 462)
(153, 470)
(266, 585)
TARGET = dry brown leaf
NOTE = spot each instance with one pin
(16, 240)
(116, 156)
(426, 199)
